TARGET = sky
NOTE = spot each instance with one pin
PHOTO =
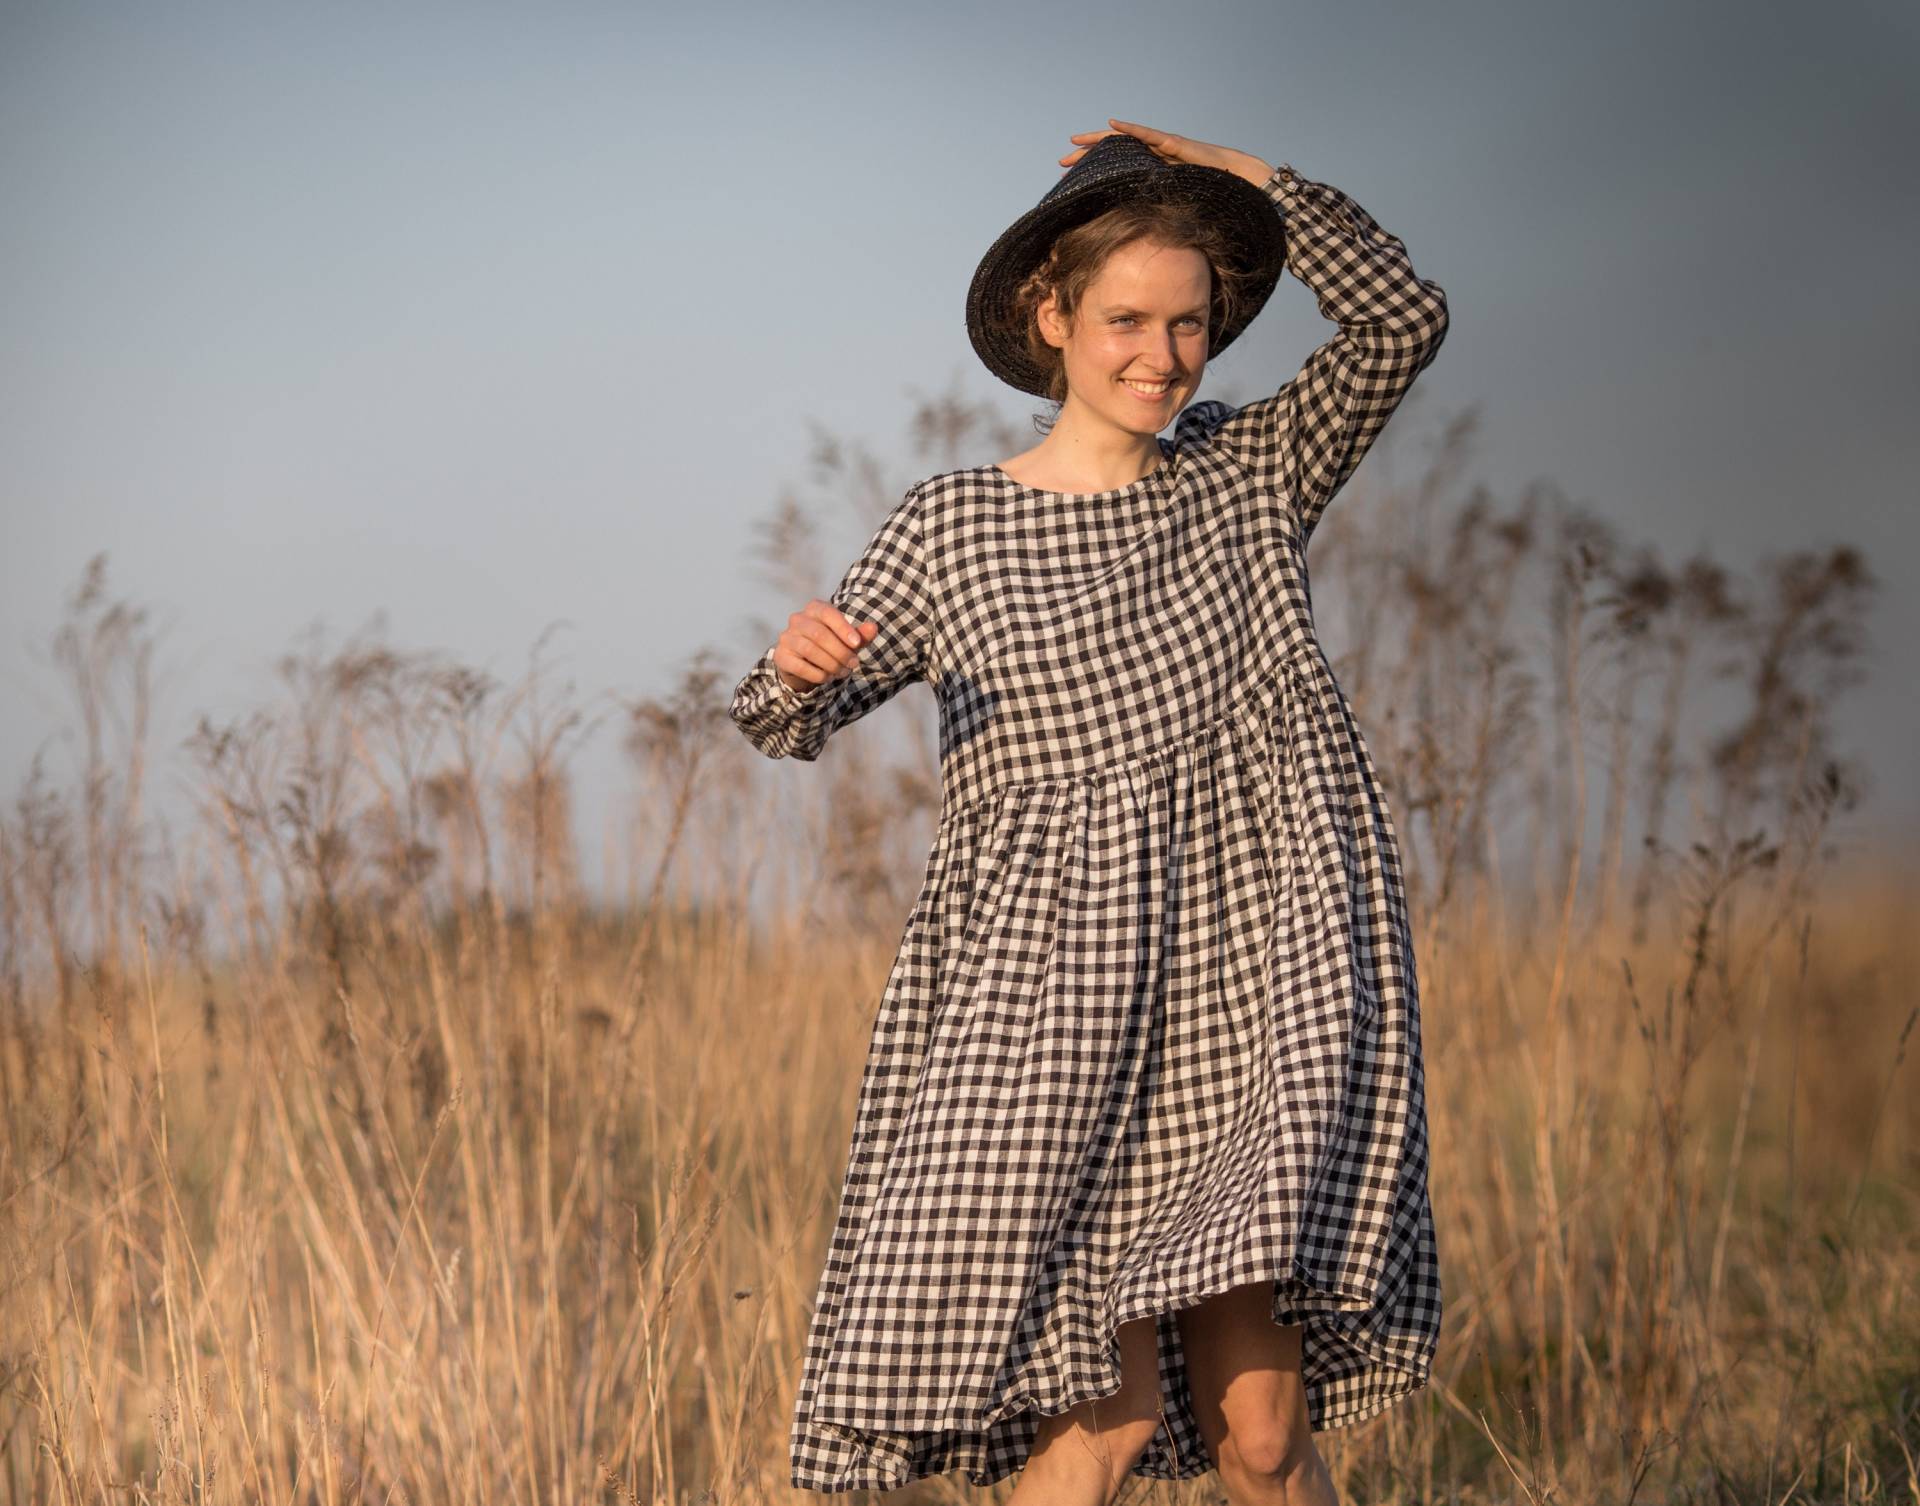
(485, 317)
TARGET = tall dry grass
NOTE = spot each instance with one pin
(358, 1150)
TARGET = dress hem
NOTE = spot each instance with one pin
(878, 1458)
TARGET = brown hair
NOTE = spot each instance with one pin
(1078, 255)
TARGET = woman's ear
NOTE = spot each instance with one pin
(1053, 329)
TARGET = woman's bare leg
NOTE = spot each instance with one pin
(1081, 1457)
(1244, 1373)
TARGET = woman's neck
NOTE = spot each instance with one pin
(1084, 456)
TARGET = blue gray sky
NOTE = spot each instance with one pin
(487, 316)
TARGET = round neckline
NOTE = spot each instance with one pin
(1163, 468)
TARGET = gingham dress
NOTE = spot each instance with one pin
(1153, 1029)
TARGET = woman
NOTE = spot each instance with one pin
(1137, 1182)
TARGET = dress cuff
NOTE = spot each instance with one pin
(1314, 207)
(1283, 183)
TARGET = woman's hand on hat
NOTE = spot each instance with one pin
(820, 645)
(1176, 149)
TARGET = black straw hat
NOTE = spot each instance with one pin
(1113, 171)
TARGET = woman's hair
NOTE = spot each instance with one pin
(1078, 255)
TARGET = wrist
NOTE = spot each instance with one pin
(795, 688)
(1256, 170)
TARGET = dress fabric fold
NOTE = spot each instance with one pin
(1153, 1028)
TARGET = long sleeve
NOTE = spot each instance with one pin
(1305, 440)
(888, 585)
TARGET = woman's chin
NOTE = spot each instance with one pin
(1144, 417)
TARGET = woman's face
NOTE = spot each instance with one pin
(1139, 342)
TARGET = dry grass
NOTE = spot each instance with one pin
(355, 1152)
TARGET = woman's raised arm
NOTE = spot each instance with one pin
(887, 586)
(1306, 440)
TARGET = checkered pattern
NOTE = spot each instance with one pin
(1153, 1029)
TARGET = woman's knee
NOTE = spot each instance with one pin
(1270, 1448)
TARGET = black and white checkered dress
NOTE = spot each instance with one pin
(1153, 1030)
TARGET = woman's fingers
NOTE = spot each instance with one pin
(807, 660)
(827, 612)
(815, 653)
(1149, 134)
(1087, 138)
(1171, 148)
(1163, 143)
(821, 643)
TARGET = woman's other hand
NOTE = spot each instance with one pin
(1176, 149)
(819, 645)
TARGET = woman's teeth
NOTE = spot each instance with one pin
(1148, 389)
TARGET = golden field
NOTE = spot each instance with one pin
(357, 1147)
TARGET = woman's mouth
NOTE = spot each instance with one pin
(1151, 391)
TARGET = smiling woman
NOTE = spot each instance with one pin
(1131, 296)
(1137, 1180)
(1115, 291)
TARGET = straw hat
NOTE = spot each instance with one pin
(1114, 170)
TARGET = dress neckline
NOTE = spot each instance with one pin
(1152, 477)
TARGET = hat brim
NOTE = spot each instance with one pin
(1252, 221)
